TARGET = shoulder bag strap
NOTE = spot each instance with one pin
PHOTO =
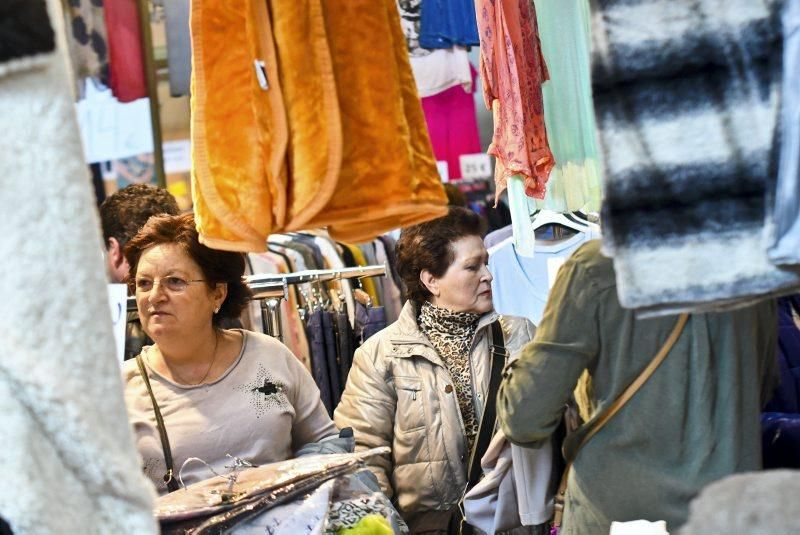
(489, 417)
(615, 407)
(172, 484)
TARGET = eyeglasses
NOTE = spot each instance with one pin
(172, 284)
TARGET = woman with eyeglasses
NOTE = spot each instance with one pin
(222, 394)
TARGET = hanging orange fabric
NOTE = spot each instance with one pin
(305, 114)
(233, 178)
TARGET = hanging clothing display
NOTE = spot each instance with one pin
(179, 46)
(88, 47)
(687, 98)
(513, 70)
(440, 70)
(453, 125)
(321, 322)
(302, 141)
(68, 461)
(574, 182)
(410, 20)
(446, 23)
(785, 244)
(126, 64)
(521, 284)
(780, 422)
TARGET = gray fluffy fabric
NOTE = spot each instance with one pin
(747, 504)
(687, 96)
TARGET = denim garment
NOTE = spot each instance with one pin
(331, 356)
(319, 361)
(446, 23)
(786, 246)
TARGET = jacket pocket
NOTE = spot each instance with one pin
(410, 411)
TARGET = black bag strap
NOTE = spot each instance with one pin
(489, 418)
(169, 479)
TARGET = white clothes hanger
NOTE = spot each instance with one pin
(543, 218)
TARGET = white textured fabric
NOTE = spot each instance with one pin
(639, 527)
(440, 70)
(68, 462)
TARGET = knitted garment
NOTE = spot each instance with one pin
(451, 334)
(687, 101)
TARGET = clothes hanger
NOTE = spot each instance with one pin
(542, 218)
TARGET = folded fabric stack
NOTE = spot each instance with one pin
(273, 495)
(687, 100)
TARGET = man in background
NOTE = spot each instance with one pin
(121, 216)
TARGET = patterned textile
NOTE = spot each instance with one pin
(410, 21)
(513, 70)
(687, 99)
(88, 46)
(346, 514)
(451, 334)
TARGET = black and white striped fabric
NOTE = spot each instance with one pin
(687, 96)
(26, 37)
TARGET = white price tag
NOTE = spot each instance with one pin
(475, 166)
(444, 170)
(553, 265)
(177, 156)
(118, 303)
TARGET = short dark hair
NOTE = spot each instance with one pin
(429, 246)
(217, 266)
(123, 213)
(455, 197)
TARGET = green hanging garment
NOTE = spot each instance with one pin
(569, 112)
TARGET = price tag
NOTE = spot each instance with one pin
(444, 172)
(475, 166)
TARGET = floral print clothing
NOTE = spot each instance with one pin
(451, 334)
(513, 70)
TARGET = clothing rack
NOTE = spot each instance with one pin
(270, 304)
(272, 288)
(269, 293)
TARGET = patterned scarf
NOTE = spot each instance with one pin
(451, 334)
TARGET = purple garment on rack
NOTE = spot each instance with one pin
(331, 356)
(319, 361)
(780, 440)
(780, 424)
(787, 396)
(375, 322)
(346, 346)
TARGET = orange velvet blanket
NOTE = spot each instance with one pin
(305, 114)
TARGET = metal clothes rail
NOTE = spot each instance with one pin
(271, 289)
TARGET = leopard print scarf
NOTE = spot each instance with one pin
(451, 334)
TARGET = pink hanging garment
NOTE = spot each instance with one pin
(453, 125)
(513, 71)
(126, 67)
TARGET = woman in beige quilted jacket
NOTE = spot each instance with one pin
(420, 385)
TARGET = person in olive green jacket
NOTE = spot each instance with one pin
(695, 421)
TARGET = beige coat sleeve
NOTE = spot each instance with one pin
(368, 406)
